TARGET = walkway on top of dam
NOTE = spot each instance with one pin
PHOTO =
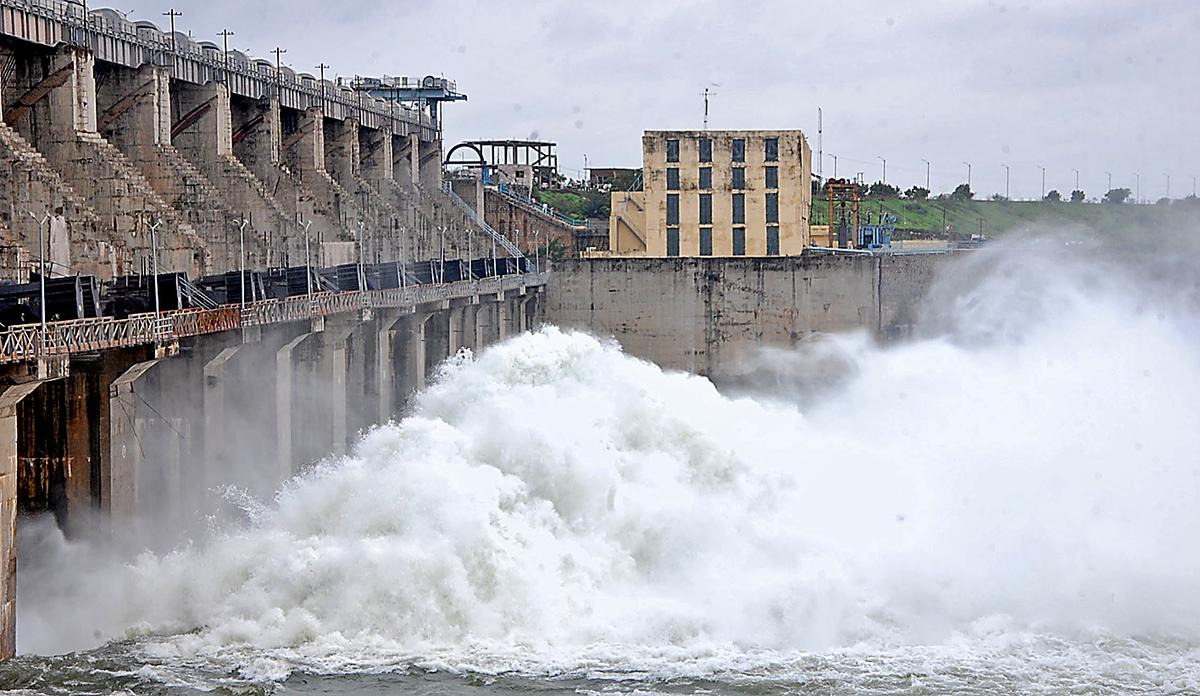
(61, 338)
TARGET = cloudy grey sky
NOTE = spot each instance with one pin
(1095, 85)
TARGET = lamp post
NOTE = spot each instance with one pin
(926, 173)
(1168, 186)
(42, 222)
(884, 160)
(834, 163)
(1109, 175)
(307, 262)
(1137, 187)
(1076, 179)
(968, 175)
(1043, 181)
(242, 259)
(1006, 172)
(154, 269)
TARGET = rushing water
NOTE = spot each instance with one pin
(1007, 506)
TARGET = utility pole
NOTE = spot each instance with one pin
(1076, 179)
(968, 174)
(706, 94)
(884, 160)
(1109, 174)
(926, 173)
(1043, 182)
(1168, 186)
(278, 66)
(174, 49)
(820, 147)
(322, 67)
(834, 164)
(1006, 172)
(1138, 186)
(225, 34)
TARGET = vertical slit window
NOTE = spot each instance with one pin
(771, 149)
(739, 241)
(706, 241)
(672, 208)
(705, 150)
(773, 240)
(706, 209)
(706, 177)
(771, 174)
(673, 150)
(739, 208)
(672, 178)
(739, 177)
(772, 207)
(672, 241)
(739, 149)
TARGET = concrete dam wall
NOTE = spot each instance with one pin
(705, 315)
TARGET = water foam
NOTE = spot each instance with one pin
(554, 503)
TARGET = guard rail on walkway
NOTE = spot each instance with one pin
(28, 342)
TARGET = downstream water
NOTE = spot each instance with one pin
(1007, 506)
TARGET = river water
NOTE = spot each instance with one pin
(1007, 505)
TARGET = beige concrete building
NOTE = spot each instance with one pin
(716, 193)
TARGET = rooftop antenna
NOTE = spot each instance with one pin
(706, 94)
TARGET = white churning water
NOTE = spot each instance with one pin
(554, 504)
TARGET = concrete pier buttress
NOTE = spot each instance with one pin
(63, 127)
(127, 432)
(10, 398)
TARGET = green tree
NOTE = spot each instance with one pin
(1117, 195)
(962, 192)
(882, 190)
(1054, 196)
(917, 193)
(1077, 196)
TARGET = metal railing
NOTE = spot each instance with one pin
(28, 342)
(475, 217)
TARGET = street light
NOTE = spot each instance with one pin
(1138, 190)
(926, 173)
(884, 160)
(1168, 186)
(154, 268)
(1043, 182)
(43, 222)
(834, 163)
(1006, 172)
(307, 262)
(968, 175)
(1109, 175)
(1076, 179)
(242, 262)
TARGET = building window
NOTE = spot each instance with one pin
(771, 149)
(672, 178)
(773, 240)
(739, 208)
(672, 241)
(772, 207)
(739, 149)
(706, 241)
(672, 208)
(772, 176)
(705, 150)
(739, 241)
(706, 209)
(739, 177)
(705, 177)
(673, 150)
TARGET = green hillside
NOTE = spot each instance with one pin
(994, 218)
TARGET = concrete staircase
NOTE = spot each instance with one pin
(29, 184)
(125, 199)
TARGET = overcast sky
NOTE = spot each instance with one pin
(1097, 85)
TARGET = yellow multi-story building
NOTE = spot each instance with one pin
(716, 193)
